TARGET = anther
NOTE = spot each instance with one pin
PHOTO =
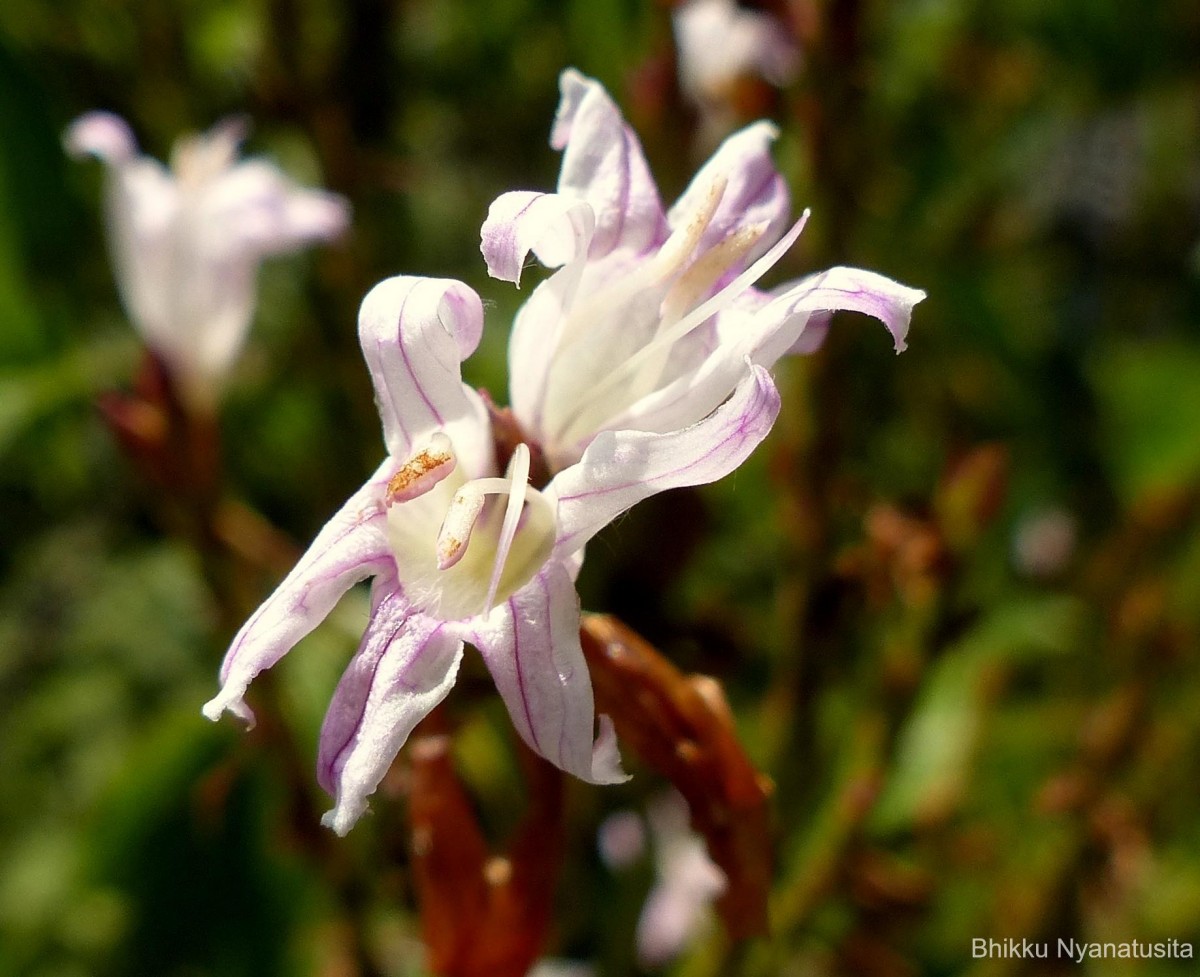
(422, 471)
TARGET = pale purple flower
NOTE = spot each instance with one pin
(652, 318)
(687, 881)
(686, 878)
(461, 554)
(187, 241)
(720, 42)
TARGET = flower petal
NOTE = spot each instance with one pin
(534, 341)
(350, 548)
(142, 202)
(531, 646)
(253, 210)
(677, 906)
(240, 216)
(620, 468)
(555, 227)
(415, 333)
(603, 164)
(838, 289)
(103, 135)
(754, 194)
(690, 397)
(406, 664)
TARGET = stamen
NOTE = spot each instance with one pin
(688, 289)
(707, 269)
(422, 471)
(676, 250)
(518, 479)
(461, 516)
(455, 534)
(702, 312)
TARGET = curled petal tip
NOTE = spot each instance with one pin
(320, 216)
(913, 296)
(606, 758)
(763, 129)
(222, 703)
(103, 135)
(339, 820)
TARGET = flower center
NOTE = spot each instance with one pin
(464, 546)
(674, 291)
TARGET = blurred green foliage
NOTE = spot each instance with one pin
(1000, 740)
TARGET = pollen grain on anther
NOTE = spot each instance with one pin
(419, 474)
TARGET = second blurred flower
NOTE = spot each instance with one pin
(187, 241)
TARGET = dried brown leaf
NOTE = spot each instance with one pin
(481, 915)
(682, 727)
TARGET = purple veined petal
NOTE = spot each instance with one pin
(812, 336)
(351, 547)
(763, 327)
(555, 227)
(620, 468)
(406, 664)
(835, 290)
(101, 134)
(603, 163)
(755, 192)
(415, 333)
(531, 646)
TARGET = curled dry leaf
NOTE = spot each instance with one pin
(682, 727)
(481, 915)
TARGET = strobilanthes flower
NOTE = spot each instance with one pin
(187, 241)
(640, 366)
(652, 318)
(463, 549)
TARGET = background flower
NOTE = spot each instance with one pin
(720, 44)
(186, 242)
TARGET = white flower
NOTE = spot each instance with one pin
(458, 554)
(186, 242)
(652, 319)
(686, 879)
(720, 42)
